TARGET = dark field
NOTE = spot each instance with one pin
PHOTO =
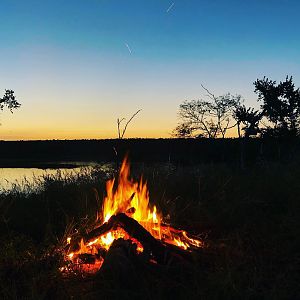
(242, 198)
(178, 151)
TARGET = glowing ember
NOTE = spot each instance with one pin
(132, 198)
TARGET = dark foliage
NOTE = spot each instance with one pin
(281, 106)
(212, 118)
(9, 100)
(248, 117)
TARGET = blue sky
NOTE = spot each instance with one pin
(69, 63)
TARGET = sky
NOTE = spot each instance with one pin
(78, 65)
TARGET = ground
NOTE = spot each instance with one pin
(248, 217)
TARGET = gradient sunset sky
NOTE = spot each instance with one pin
(78, 65)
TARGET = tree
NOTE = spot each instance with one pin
(281, 106)
(183, 131)
(200, 118)
(248, 117)
(9, 101)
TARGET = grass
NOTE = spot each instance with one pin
(249, 219)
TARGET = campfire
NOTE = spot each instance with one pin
(128, 218)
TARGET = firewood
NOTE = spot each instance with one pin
(135, 230)
(86, 258)
(161, 252)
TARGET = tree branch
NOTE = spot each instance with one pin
(124, 130)
(210, 94)
(119, 122)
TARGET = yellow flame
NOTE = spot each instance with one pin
(130, 194)
(107, 239)
(126, 196)
(92, 242)
(180, 243)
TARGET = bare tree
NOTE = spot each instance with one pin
(200, 118)
(121, 132)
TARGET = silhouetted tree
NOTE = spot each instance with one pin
(183, 131)
(281, 106)
(9, 101)
(200, 118)
(248, 117)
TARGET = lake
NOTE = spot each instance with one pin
(12, 176)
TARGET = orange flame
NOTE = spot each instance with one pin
(132, 198)
(130, 194)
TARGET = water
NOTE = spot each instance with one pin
(11, 176)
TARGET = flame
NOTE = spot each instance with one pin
(128, 195)
(181, 244)
(123, 195)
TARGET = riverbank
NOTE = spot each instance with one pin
(237, 152)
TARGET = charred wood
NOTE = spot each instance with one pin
(161, 252)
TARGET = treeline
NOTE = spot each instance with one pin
(187, 151)
(278, 116)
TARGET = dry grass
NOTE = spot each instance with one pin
(250, 219)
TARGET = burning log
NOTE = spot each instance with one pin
(133, 228)
(162, 253)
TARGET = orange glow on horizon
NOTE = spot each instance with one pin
(52, 134)
(76, 135)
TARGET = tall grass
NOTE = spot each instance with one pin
(249, 218)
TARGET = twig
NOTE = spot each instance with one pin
(124, 130)
(210, 94)
(119, 122)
